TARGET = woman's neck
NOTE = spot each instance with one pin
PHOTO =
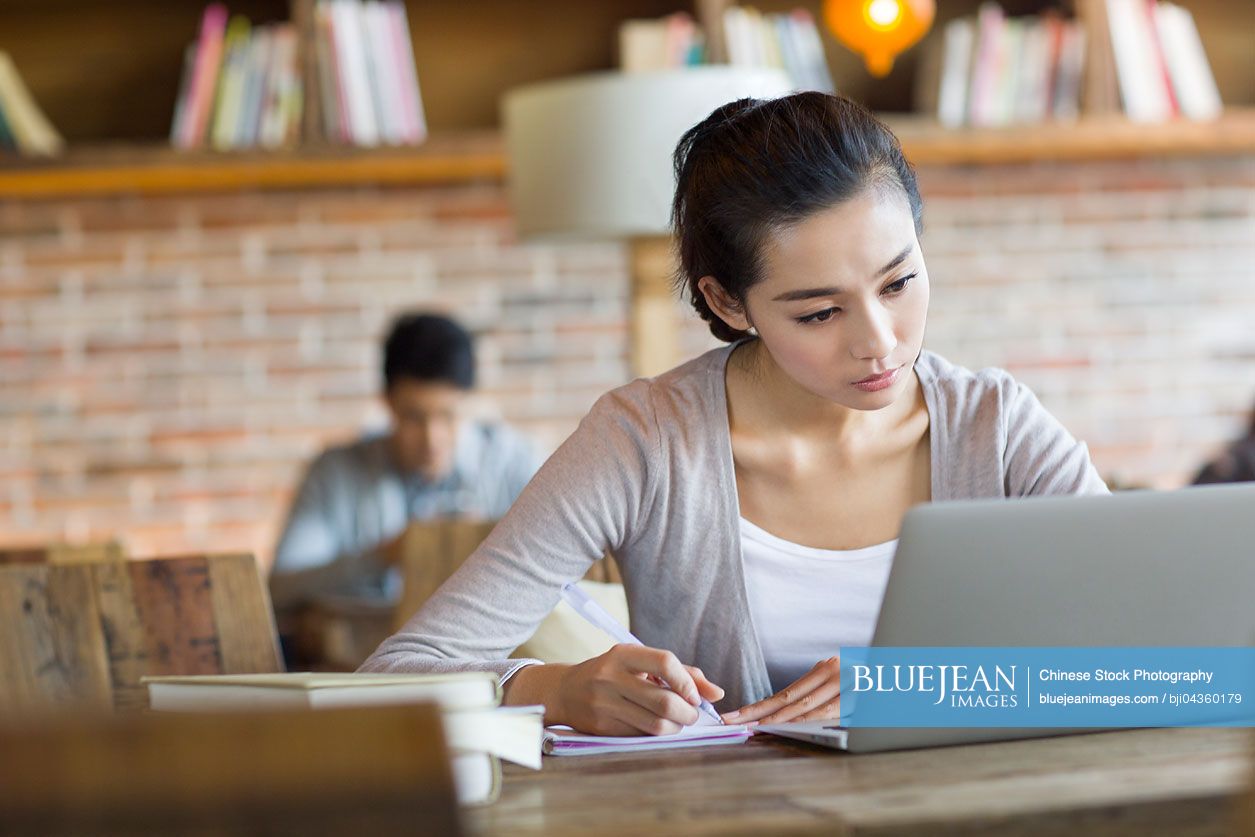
(762, 398)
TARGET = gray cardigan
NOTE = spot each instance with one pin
(648, 476)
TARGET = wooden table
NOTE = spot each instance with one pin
(1165, 781)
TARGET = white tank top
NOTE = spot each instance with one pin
(806, 603)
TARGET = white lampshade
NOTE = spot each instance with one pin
(590, 156)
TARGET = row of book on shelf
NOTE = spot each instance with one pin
(1143, 58)
(346, 72)
(248, 86)
(788, 41)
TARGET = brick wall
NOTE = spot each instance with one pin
(167, 365)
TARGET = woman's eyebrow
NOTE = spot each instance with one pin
(833, 290)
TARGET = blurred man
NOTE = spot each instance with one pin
(344, 528)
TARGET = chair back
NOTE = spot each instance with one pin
(433, 550)
(83, 634)
(62, 553)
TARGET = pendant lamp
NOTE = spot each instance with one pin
(879, 29)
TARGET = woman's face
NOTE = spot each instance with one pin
(844, 300)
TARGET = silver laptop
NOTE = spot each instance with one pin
(1148, 568)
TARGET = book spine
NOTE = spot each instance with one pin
(789, 53)
(249, 128)
(982, 102)
(30, 128)
(181, 109)
(374, 51)
(956, 72)
(228, 102)
(1157, 57)
(205, 79)
(1192, 79)
(328, 74)
(272, 122)
(1068, 79)
(812, 48)
(1053, 56)
(408, 74)
(1141, 87)
(351, 58)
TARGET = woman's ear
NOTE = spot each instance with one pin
(723, 304)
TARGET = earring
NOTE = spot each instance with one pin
(753, 332)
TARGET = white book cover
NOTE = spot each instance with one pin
(1141, 82)
(1031, 100)
(982, 103)
(513, 733)
(956, 72)
(790, 53)
(318, 690)
(476, 777)
(378, 67)
(738, 38)
(350, 51)
(812, 50)
(1192, 79)
(412, 100)
(768, 45)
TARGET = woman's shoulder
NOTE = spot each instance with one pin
(966, 394)
(693, 390)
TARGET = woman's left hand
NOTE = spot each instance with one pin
(815, 696)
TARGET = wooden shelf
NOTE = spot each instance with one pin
(162, 170)
(480, 156)
(1094, 138)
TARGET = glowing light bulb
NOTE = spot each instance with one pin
(879, 29)
(884, 14)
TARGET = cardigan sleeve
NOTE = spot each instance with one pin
(1040, 456)
(589, 497)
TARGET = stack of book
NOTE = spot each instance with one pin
(23, 126)
(789, 42)
(241, 86)
(996, 70)
(247, 87)
(1138, 57)
(368, 85)
(664, 44)
(478, 731)
(1160, 67)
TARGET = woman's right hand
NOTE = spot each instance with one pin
(618, 693)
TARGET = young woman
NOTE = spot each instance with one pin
(752, 496)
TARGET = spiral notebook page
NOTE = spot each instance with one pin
(564, 741)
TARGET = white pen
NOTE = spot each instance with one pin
(597, 615)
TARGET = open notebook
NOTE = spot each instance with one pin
(564, 741)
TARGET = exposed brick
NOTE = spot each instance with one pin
(168, 365)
